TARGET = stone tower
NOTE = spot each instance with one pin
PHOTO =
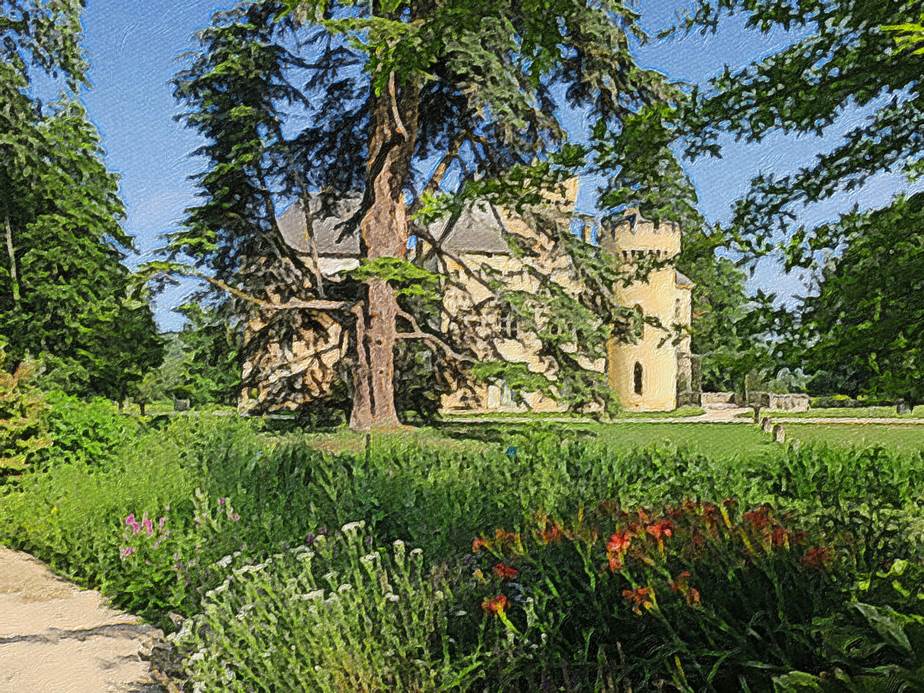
(647, 374)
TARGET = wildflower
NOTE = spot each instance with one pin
(148, 525)
(758, 518)
(817, 557)
(660, 529)
(550, 534)
(126, 552)
(504, 537)
(616, 548)
(495, 605)
(478, 543)
(224, 562)
(370, 559)
(234, 517)
(310, 538)
(350, 527)
(780, 537)
(679, 584)
(619, 542)
(417, 552)
(505, 572)
(640, 598)
(162, 522)
(221, 501)
(393, 598)
(345, 587)
(130, 521)
(313, 595)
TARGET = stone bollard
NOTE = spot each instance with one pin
(779, 434)
(766, 424)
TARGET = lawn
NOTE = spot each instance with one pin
(719, 440)
(842, 413)
(891, 436)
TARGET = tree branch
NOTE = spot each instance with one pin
(418, 333)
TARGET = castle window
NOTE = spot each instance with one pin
(677, 309)
(508, 320)
(637, 377)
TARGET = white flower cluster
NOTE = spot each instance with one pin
(351, 527)
(312, 596)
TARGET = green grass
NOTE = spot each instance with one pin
(841, 413)
(501, 416)
(681, 412)
(716, 440)
(892, 436)
(850, 413)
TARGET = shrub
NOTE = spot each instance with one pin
(86, 432)
(23, 430)
(338, 615)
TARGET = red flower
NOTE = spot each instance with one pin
(551, 534)
(681, 582)
(779, 536)
(505, 572)
(660, 529)
(479, 544)
(495, 605)
(639, 598)
(817, 557)
(619, 542)
(758, 518)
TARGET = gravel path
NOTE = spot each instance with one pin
(58, 638)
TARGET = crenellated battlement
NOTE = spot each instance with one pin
(633, 235)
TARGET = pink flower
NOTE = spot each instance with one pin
(130, 521)
(126, 552)
(234, 517)
(162, 522)
(148, 525)
(221, 501)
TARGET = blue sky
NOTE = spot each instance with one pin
(133, 48)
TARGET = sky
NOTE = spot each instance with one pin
(134, 50)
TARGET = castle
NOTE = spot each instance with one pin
(652, 373)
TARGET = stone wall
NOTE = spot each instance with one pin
(710, 400)
(779, 402)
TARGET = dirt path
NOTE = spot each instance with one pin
(57, 638)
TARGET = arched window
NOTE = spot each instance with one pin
(677, 309)
(637, 377)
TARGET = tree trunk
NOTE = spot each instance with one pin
(384, 233)
(14, 271)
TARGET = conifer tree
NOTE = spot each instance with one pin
(422, 107)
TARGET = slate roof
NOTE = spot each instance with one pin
(331, 235)
(476, 231)
(683, 281)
